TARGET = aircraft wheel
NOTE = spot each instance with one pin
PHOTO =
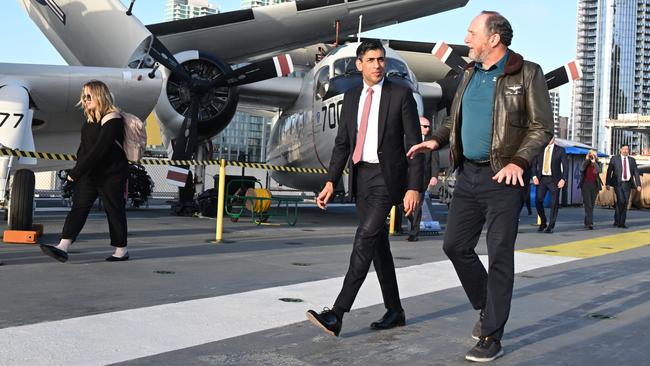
(21, 203)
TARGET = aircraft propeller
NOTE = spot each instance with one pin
(185, 142)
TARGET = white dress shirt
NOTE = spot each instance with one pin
(370, 146)
(627, 168)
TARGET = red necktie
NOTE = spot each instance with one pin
(361, 135)
(624, 168)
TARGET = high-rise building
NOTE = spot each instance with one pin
(247, 4)
(562, 132)
(185, 9)
(613, 47)
(554, 96)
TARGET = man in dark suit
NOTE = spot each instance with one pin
(430, 178)
(550, 174)
(379, 122)
(623, 175)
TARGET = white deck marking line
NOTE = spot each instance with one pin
(125, 335)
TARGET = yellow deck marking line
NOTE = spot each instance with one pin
(597, 246)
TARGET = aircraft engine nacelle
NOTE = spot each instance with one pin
(217, 104)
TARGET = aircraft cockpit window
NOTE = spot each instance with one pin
(345, 66)
(322, 82)
(397, 68)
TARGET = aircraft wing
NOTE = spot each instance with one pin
(265, 98)
(55, 89)
(425, 66)
(252, 34)
(46, 99)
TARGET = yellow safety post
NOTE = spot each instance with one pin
(221, 199)
(393, 211)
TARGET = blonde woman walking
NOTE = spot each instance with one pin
(101, 170)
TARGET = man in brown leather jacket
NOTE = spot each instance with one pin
(501, 118)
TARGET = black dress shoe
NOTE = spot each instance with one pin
(113, 258)
(54, 252)
(476, 331)
(412, 238)
(623, 226)
(548, 230)
(590, 227)
(389, 320)
(327, 320)
(541, 228)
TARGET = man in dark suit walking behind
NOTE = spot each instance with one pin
(379, 122)
(430, 178)
(623, 175)
(550, 174)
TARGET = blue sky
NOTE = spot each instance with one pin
(544, 31)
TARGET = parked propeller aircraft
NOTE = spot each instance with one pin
(196, 92)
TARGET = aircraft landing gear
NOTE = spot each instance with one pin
(21, 202)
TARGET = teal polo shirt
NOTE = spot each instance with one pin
(477, 107)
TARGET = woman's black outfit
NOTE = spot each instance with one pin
(101, 170)
(590, 184)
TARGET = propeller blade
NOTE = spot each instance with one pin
(277, 66)
(563, 74)
(446, 54)
(186, 140)
(161, 54)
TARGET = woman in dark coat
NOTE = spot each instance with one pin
(590, 184)
(101, 170)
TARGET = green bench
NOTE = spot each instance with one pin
(251, 197)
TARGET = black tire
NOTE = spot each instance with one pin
(21, 207)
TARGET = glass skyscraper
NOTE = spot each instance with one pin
(613, 47)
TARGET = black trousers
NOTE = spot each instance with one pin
(370, 241)
(547, 184)
(111, 192)
(589, 194)
(416, 217)
(622, 197)
(478, 200)
(526, 197)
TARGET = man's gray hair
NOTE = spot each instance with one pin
(498, 24)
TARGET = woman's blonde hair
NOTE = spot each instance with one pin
(102, 97)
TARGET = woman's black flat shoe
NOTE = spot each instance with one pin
(54, 252)
(117, 259)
